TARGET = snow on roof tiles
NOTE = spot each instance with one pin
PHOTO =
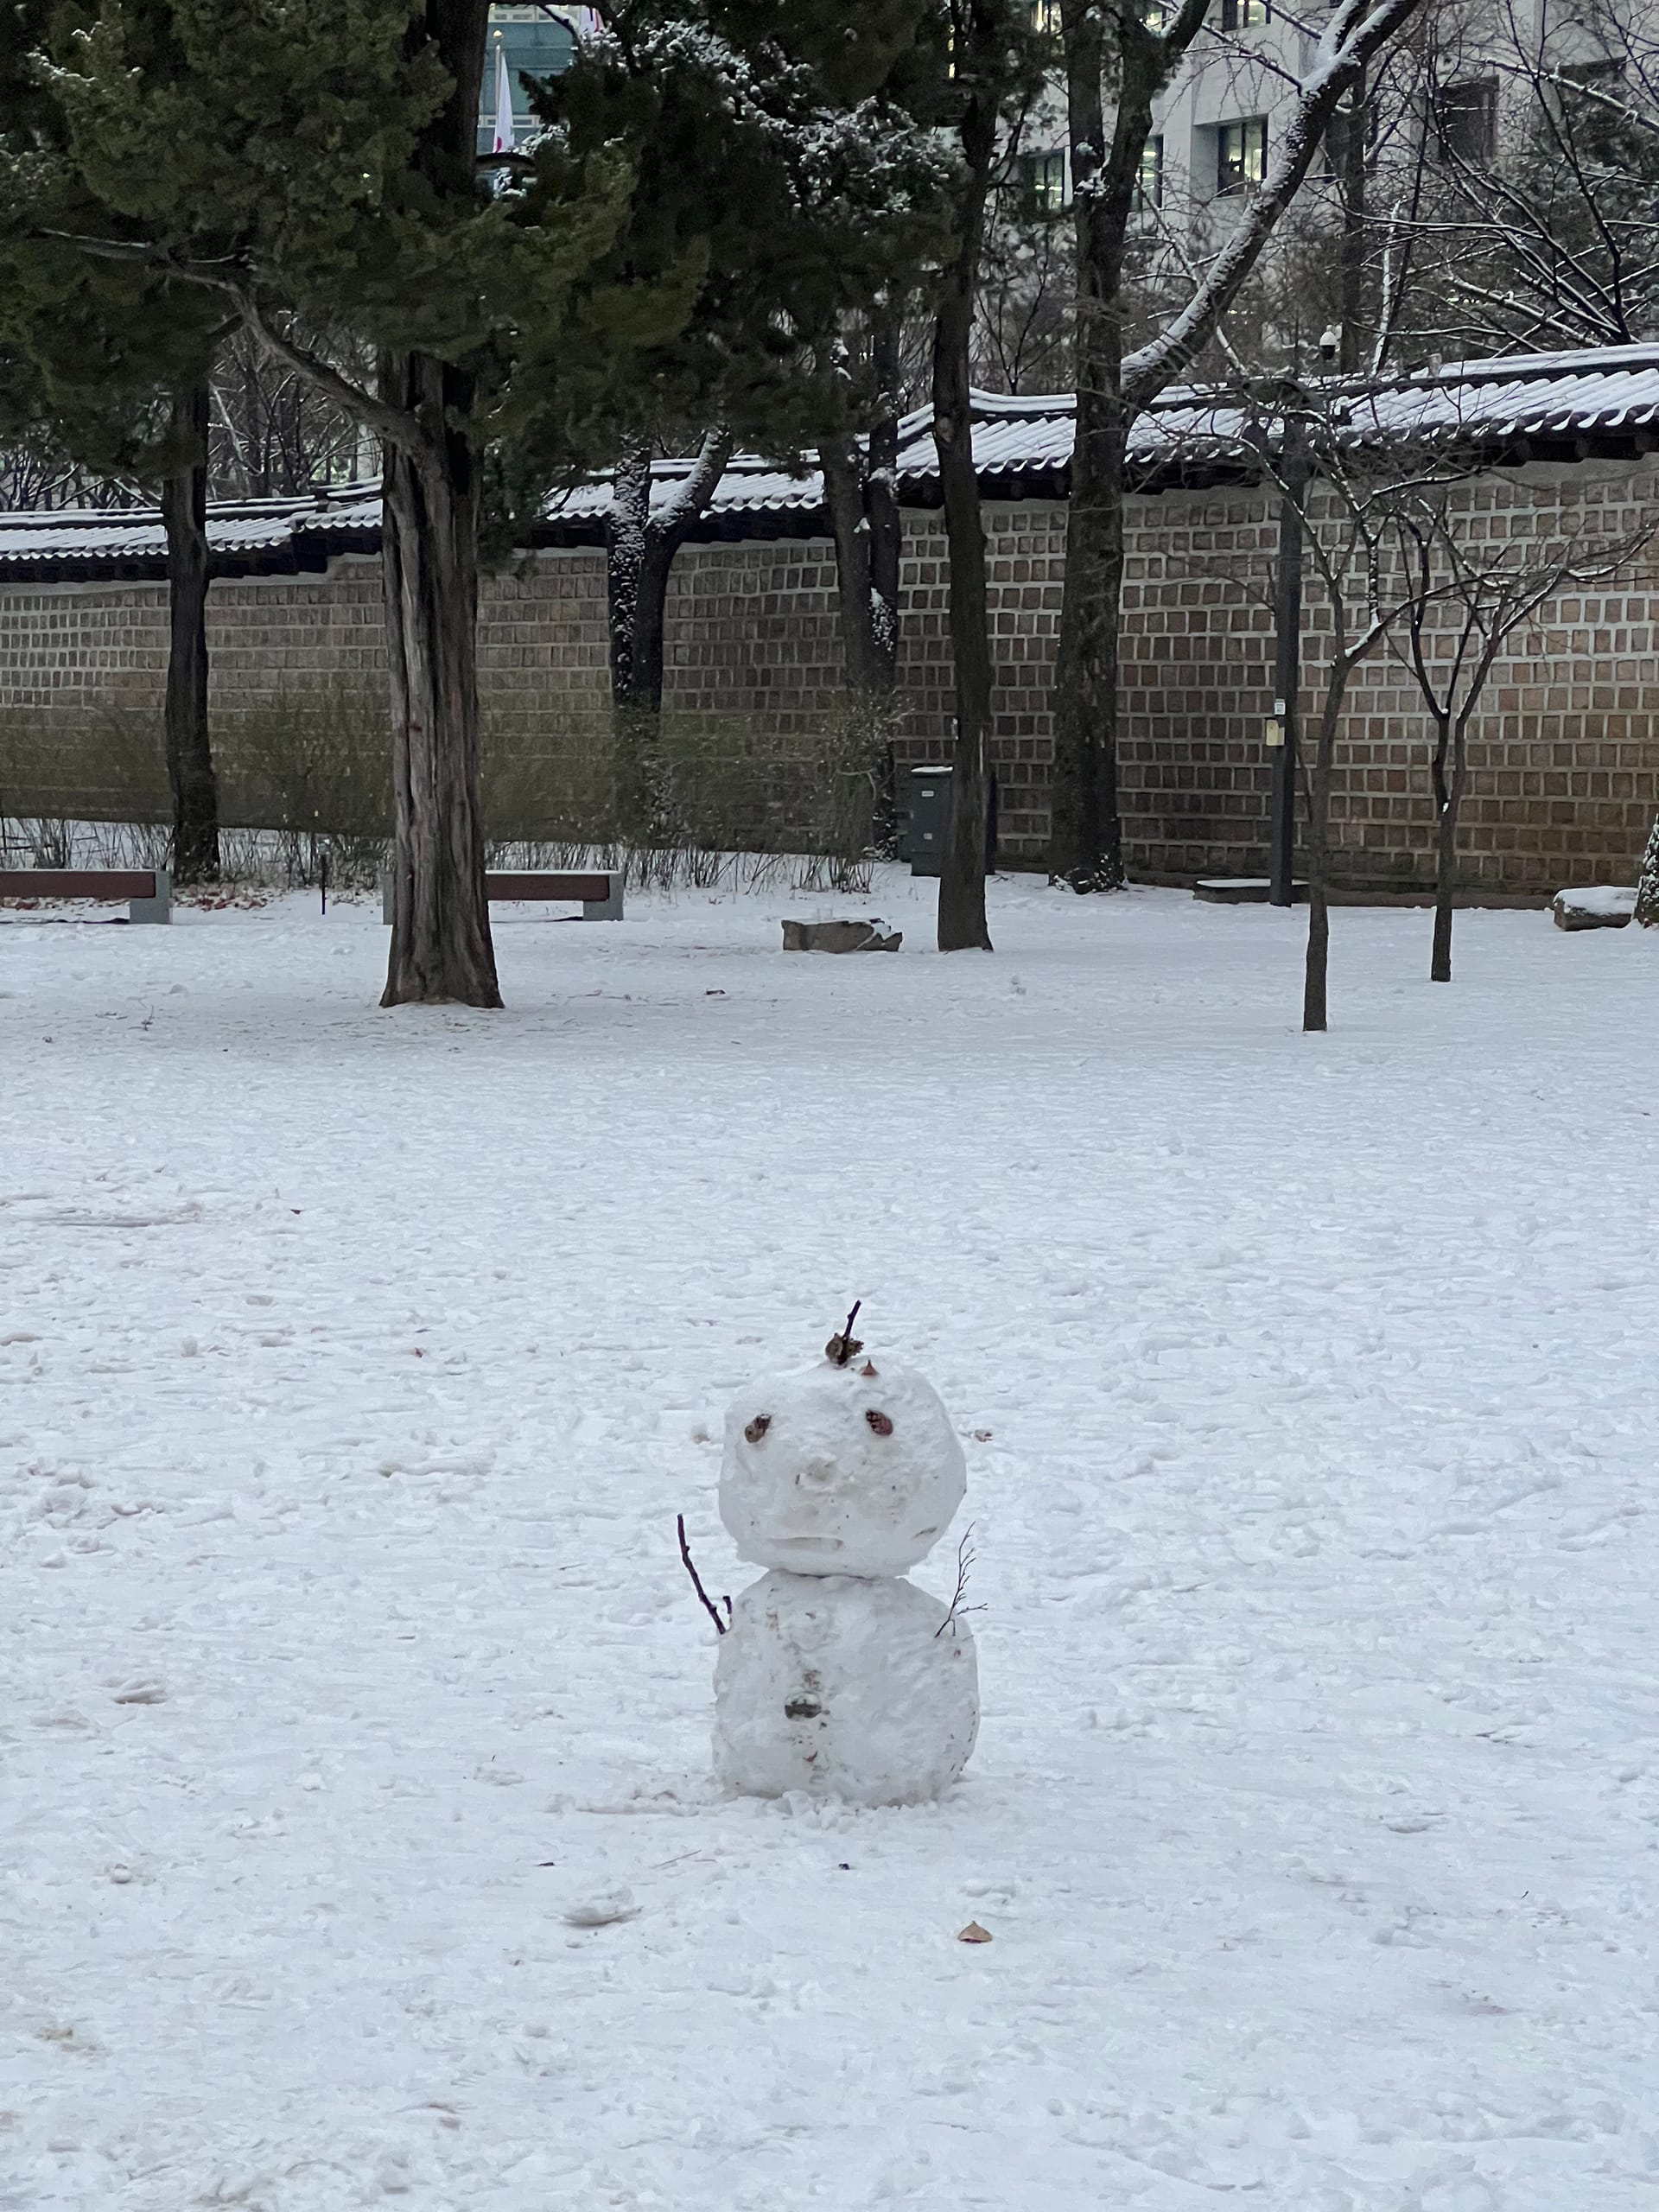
(252, 531)
(1610, 392)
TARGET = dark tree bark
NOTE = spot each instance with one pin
(962, 922)
(441, 945)
(861, 499)
(1317, 965)
(640, 549)
(625, 531)
(1347, 652)
(881, 503)
(845, 498)
(1086, 848)
(190, 749)
(1451, 775)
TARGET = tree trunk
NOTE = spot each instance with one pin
(962, 925)
(845, 495)
(1086, 836)
(1354, 229)
(1315, 978)
(431, 503)
(881, 503)
(440, 947)
(627, 528)
(650, 621)
(1446, 863)
(640, 547)
(189, 750)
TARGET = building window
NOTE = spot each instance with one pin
(1149, 189)
(1243, 15)
(1465, 123)
(1241, 154)
(1043, 178)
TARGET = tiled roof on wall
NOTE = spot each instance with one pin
(1536, 405)
(249, 536)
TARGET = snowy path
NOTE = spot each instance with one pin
(353, 1366)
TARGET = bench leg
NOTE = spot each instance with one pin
(158, 909)
(608, 909)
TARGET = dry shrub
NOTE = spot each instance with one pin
(305, 781)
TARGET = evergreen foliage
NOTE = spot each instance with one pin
(1647, 886)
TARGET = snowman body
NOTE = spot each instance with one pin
(837, 1675)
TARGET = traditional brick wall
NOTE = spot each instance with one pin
(1565, 762)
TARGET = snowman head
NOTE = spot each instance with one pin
(840, 1469)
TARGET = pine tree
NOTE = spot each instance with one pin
(1647, 884)
(784, 185)
(314, 162)
(108, 363)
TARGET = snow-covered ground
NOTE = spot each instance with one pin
(353, 1366)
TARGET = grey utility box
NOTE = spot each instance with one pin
(930, 817)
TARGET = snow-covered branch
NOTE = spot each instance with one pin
(1357, 32)
(692, 494)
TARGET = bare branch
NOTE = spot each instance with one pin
(1353, 37)
(708, 1605)
(394, 425)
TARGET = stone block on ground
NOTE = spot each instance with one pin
(1595, 906)
(840, 937)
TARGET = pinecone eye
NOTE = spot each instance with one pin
(880, 1422)
(758, 1427)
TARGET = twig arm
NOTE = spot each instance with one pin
(708, 1605)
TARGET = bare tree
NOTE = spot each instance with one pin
(1534, 130)
(1344, 546)
(1022, 325)
(1465, 599)
(272, 434)
(1142, 48)
(35, 474)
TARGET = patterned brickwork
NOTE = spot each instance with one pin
(1564, 778)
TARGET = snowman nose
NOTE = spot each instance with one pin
(817, 1473)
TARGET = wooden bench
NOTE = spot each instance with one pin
(148, 891)
(599, 890)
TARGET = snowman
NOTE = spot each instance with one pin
(837, 1675)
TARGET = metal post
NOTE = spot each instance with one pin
(1287, 672)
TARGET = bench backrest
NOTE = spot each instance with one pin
(78, 883)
